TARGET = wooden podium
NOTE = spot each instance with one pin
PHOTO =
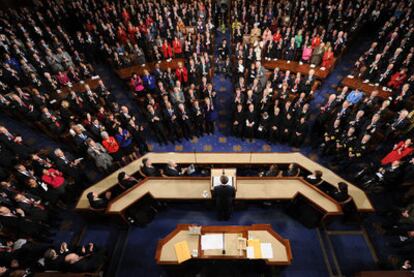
(216, 173)
(235, 239)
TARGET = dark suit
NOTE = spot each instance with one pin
(150, 171)
(98, 203)
(224, 195)
(171, 171)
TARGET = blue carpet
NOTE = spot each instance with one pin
(352, 253)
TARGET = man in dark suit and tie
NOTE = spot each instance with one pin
(224, 195)
(68, 165)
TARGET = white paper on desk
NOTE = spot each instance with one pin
(250, 252)
(267, 251)
(211, 241)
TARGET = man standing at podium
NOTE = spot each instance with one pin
(224, 194)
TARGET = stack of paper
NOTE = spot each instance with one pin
(182, 251)
(253, 249)
(257, 250)
(212, 241)
(267, 251)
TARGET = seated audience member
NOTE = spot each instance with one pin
(148, 168)
(126, 181)
(344, 199)
(292, 171)
(273, 171)
(172, 169)
(316, 180)
(97, 202)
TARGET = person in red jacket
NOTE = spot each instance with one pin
(400, 151)
(397, 79)
(316, 41)
(122, 35)
(167, 50)
(53, 178)
(182, 73)
(111, 145)
(277, 36)
(328, 58)
(132, 30)
(125, 16)
(176, 44)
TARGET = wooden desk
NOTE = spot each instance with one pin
(127, 72)
(248, 188)
(295, 67)
(361, 200)
(64, 92)
(78, 87)
(282, 254)
(356, 83)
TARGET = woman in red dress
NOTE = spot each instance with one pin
(177, 47)
(397, 79)
(167, 50)
(122, 35)
(125, 16)
(327, 59)
(316, 41)
(400, 151)
(132, 30)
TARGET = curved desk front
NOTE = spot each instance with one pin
(361, 200)
(248, 189)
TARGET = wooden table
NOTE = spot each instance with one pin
(78, 87)
(296, 67)
(361, 200)
(127, 72)
(166, 255)
(248, 189)
(64, 92)
(356, 83)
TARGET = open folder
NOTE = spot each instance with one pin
(182, 251)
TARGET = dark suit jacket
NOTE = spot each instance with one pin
(99, 203)
(224, 195)
(171, 171)
(150, 171)
(65, 167)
